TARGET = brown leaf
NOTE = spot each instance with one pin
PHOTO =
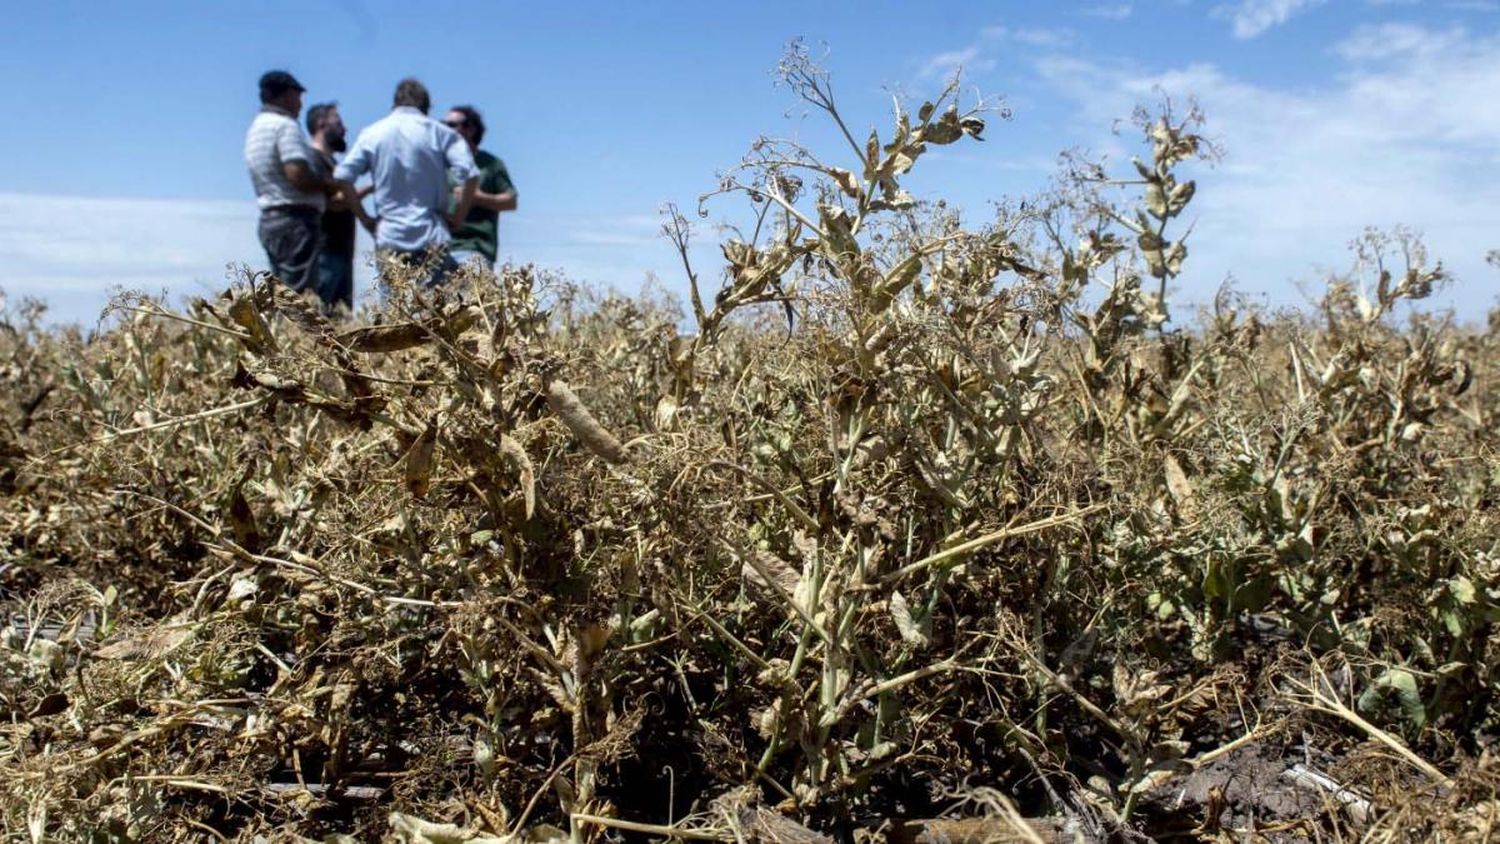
(847, 181)
(417, 467)
(151, 645)
(49, 705)
(242, 518)
(244, 313)
(779, 570)
(1179, 487)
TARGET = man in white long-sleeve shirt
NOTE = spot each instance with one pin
(410, 158)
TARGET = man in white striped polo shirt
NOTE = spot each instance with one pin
(290, 194)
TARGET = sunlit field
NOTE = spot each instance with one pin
(898, 526)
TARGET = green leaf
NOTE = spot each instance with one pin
(1462, 590)
(1398, 686)
(1254, 594)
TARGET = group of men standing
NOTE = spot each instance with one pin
(437, 195)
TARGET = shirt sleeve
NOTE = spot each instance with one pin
(356, 162)
(460, 161)
(499, 179)
(291, 146)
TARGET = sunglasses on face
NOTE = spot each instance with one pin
(455, 124)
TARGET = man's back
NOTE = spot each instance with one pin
(409, 156)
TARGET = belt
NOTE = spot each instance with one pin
(291, 209)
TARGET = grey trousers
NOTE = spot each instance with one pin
(290, 237)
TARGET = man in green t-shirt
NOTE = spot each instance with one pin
(479, 236)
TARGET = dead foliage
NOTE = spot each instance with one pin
(980, 542)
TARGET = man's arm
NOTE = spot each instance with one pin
(356, 163)
(351, 197)
(466, 193)
(295, 156)
(462, 170)
(495, 201)
(304, 179)
(502, 194)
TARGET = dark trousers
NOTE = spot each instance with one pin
(290, 237)
(433, 264)
(336, 279)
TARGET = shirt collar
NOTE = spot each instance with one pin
(408, 110)
(276, 109)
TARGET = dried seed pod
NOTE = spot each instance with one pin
(393, 338)
(517, 456)
(384, 338)
(564, 402)
(910, 628)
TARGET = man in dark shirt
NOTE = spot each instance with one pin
(479, 236)
(335, 283)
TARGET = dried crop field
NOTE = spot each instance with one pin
(901, 529)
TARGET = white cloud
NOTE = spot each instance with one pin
(1376, 42)
(73, 251)
(1038, 37)
(947, 63)
(1030, 36)
(1406, 134)
(1109, 11)
(1253, 17)
(622, 230)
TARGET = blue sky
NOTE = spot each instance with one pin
(127, 121)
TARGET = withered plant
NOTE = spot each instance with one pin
(906, 522)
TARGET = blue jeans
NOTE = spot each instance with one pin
(464, 256)
(336, 279)
(435, 262)
(290, 236)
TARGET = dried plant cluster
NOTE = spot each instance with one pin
(909, 520)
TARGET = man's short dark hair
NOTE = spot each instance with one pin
(473, 120)
(317, 114)
(274, 83)
(410, 92)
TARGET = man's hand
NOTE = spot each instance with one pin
(350, 195)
